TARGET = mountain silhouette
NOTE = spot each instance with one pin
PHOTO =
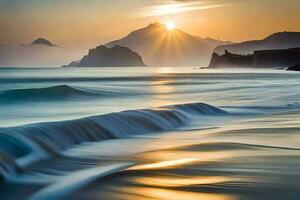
(42, 41)
(162, 47)
(37, 54)
(103, 56)
(281, 40)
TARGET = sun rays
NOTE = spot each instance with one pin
(170, 40)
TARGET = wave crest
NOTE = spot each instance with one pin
(55, 92)
(28, 143)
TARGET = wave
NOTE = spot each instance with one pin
(22, 145)
(55, 92)
(223, 146)
(77, 180)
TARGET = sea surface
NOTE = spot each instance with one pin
(149, 134)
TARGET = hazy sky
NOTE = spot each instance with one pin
(86, 23)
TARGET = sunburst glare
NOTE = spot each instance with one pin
(170, 25)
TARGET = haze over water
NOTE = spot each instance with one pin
(149, 133)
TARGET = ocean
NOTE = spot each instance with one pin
(149, 133)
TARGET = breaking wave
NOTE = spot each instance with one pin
(22, 145)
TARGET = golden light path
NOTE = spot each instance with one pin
(164, 164)
(181, 182)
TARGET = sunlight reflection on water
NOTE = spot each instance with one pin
(166, 194)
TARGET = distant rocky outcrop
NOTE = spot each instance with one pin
(162, 47)
(259, 59)
(42, 41)
(294, 68)
(72, 64)
(103, 56)
(281, 40)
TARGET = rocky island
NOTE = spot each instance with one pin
(103, 56)
(281, 58)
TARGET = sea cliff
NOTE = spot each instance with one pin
(259, 59)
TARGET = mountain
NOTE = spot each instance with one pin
(278, 58)
(40, 52)
(281, 40)
(162, 47)
(103, 56)
(42, 41)
(213, 43)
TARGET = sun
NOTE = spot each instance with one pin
(170, 25)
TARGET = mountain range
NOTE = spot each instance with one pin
(162, 47)
(281, 40)
(157, 46)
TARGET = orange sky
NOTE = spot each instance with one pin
(84, 24)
